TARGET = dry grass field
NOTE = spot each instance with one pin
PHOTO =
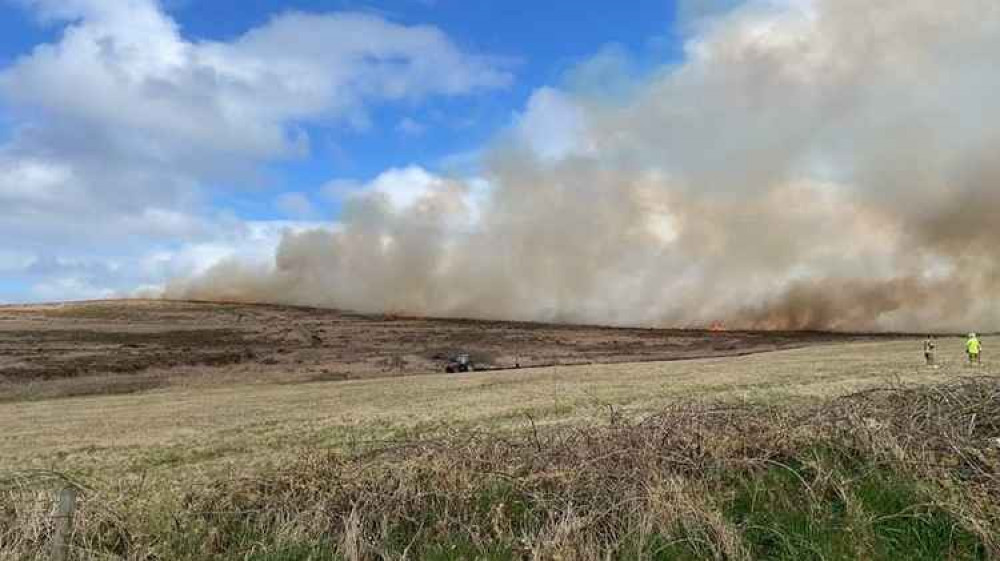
(245, 426)
(123, 347)
(769, 446)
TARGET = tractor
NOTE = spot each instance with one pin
(459, 363)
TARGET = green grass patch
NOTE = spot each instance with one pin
(321, 551)
(789, 513)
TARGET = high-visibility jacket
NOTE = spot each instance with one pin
(974, 346)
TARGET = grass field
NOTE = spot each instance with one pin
(244, 427)
(756, 457)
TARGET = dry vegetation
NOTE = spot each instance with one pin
(889, 474)
(194, 431)
(850, 451)
(125, 347)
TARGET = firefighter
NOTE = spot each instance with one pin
(974, 349)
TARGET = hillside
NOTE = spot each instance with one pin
(129, 346)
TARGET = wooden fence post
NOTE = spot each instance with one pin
(63, 524)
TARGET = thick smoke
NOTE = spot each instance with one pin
(811, 164)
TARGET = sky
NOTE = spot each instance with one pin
(144, 140)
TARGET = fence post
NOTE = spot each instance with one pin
(63, 524)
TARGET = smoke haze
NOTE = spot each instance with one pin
(825, 164)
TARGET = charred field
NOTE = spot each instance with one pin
(226, 431)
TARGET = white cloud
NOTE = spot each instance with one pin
(121, 124)
(13, 261)
(146, 270)
(414, 191)
(72, 278)
(693, 14)
(34, 181)
(295, 205)
(404, 187)
(124, 64)
(70, 288)
(338, 189)
(253, 242)
(553, 125)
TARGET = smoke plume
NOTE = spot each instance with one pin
(823, 164)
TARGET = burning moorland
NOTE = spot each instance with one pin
(807, 170)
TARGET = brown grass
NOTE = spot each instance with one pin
(618, 461)
(852, 470)
(75, 349)
(191, 430)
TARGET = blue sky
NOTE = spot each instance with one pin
(105, 194)
(542, 42)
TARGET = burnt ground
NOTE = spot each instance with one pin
(127, 346)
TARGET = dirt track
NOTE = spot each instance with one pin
(128, 346)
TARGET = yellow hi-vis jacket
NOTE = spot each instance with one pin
(974, 346)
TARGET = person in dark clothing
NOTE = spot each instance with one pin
(929, 346)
